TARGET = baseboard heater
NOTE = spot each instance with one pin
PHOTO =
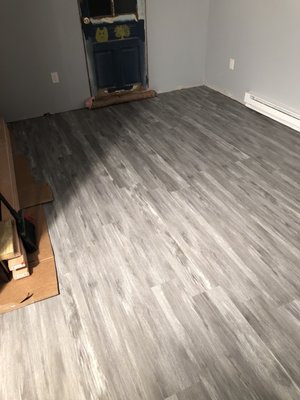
(273, 111)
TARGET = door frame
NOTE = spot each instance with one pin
(142, 15)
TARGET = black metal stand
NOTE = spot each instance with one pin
(26, 229)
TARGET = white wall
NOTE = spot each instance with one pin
(176, 33)
(264, 38)
(36, 38)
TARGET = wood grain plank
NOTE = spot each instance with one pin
(176, 233)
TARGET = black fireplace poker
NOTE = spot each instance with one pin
(25, 228)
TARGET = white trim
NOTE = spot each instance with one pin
(111, 20)
(273, 111)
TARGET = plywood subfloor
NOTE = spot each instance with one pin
(176, 232)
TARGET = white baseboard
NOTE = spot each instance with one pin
(278, 113)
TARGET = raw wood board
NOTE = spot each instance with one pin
(15, 245)
(6, 240)
(8, 184)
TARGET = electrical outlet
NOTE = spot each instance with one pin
(231, 63)
(54, 77)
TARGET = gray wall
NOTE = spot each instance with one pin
(37, 38)
(264, 38)
(176, 42)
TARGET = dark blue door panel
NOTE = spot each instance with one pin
(130, 65)
(119, 53)
(118, 63)
(105, 69)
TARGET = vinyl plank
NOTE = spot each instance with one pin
(176, 232)
(279, 330)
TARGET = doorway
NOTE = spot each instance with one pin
(115, 44)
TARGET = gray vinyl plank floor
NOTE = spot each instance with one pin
(176, 233)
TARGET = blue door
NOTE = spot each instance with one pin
(116, 39)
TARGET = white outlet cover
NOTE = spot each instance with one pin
(54, 77)
(231, 63)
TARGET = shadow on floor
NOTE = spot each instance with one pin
(79, 153)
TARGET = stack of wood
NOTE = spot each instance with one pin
(12, 253)
(22, 191)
